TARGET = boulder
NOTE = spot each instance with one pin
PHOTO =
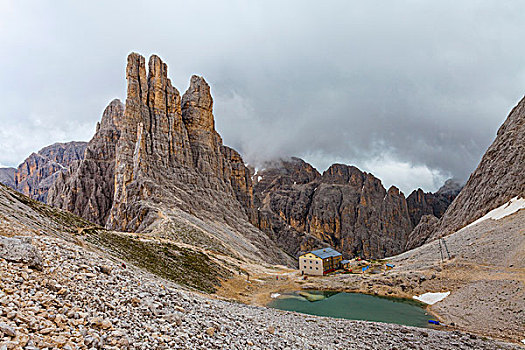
(20, 250)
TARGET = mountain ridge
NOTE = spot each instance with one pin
(499, 177)
(157, 158)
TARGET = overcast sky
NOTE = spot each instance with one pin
(412, 91)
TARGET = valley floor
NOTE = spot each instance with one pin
(485, 275)
(82, 299)
(86, 297)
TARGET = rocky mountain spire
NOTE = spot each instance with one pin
(157, 164)
(197, 106)
(153, 135)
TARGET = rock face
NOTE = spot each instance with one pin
(7, 176)
(344, 207)
(283, 195)
(85, 189)
(161, 167)
(420, 233)
(499, 177)
(421, 203)
(38, 172)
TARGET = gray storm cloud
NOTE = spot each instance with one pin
(412, 91)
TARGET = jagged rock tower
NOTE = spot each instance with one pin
(158, 165)
(344, 207)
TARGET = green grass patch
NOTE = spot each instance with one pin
(67, 220)
(178, 264)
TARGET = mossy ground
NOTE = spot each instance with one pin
(181, 265)
(68, 221)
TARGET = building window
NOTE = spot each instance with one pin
(317, 262)
(317, 268)
(310, 267)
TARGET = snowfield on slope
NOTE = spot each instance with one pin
(500, 212)
(431, 298)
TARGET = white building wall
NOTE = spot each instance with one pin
(311, 266)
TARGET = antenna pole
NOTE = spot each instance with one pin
(445, 244)
(441, 251)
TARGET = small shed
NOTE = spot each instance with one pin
(345, 264)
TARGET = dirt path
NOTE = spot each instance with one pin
(259, 286)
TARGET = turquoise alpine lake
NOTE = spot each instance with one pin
(354, 306)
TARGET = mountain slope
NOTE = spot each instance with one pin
(84, 297)
(486, 276)
(499, 177)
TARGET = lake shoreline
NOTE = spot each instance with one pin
(261, 286)
(354, 306)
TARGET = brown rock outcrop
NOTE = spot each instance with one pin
(38, 172)
(85, 189)
(283, 195)
(345, 208)
(421, 203)
(499, 177)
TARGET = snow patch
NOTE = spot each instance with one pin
(259, 178)
(431, 298)
(506, 209)
(275, 295)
